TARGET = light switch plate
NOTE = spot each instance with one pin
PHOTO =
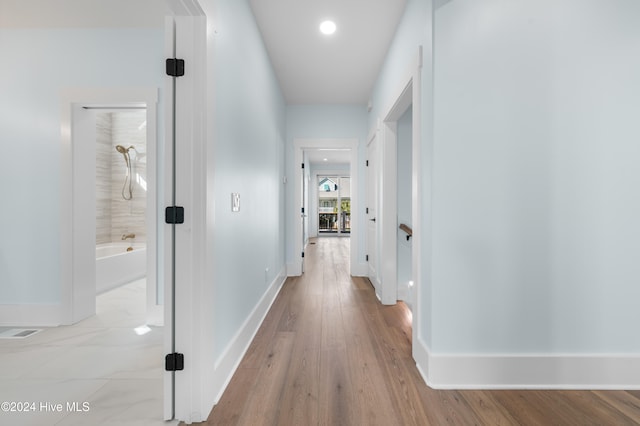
(235, 202)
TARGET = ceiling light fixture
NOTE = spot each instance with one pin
(328, 27)
(325, 159)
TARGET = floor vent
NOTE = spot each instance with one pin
(18, 333)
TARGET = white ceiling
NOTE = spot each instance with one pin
(316, 69)
(332, 156)
(311, 68)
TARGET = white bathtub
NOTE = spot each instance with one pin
(116, 266)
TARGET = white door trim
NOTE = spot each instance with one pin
(295, 268)
(190, 314)
(408, 93)
(77, 192)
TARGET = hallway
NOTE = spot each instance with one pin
(328, 353)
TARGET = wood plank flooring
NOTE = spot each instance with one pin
(328, 353)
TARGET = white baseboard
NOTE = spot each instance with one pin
(528, 371)
(230, 359)
(293, 269)
(361, 270)
(30, 315)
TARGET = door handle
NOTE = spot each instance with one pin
(373, 220)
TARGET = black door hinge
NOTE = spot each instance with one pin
(175, 67)
(367, 210)
(174, 362)
(174, 215)
(367, 163)
(366, 258)
(302, 254)
(302, 210)
(303, 165)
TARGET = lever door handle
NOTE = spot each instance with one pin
(373, 220)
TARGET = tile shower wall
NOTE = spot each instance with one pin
(103, 178)
(124, 216)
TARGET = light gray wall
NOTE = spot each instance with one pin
(325, 122)
(248, 246)
(414, 30)
(536, 206)
(43, 62)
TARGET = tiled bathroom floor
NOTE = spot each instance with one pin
(100, 361)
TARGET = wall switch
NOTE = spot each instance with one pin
(235, 202)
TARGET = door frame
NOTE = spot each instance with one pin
(184, 303)
(77, 189)
(299, 146)
(373, 207)
(408, 93)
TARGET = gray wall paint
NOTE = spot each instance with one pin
(43, 63)
(249, 160)
(533, 147)
(536, 207)
(415, 30)
(325, 122)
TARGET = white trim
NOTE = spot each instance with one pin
(192, 311)
(409, 92)
(360, 270)
(529, 371)
(29, 315)
(294, 268)
(76, 228)
(227, 364)
(388, 212)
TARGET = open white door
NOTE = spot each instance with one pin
(169, 234)
(372, 211)
(185, 214)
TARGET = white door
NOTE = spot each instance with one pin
(169, 230)
(372, 210)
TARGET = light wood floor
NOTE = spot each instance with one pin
(329, 354)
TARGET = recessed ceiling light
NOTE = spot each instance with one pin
(328, 27)
(325, 159)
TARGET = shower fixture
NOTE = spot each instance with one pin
(127, 187)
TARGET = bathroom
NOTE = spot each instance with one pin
(121, 197)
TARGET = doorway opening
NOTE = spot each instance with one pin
(109, 149)
(323, 188)
(333, 205)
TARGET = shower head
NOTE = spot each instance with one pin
(122, 150)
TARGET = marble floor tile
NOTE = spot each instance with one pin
(99, 370)
(121, 402)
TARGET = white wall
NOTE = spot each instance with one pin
(325, 121)
(536, 206)
(44, 61)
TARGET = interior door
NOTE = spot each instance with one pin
(372, 210)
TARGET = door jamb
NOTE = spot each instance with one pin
(77, 264)
(409, 92)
